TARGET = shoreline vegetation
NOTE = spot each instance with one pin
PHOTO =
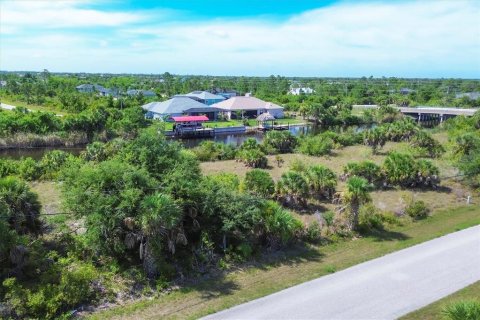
(31, 140)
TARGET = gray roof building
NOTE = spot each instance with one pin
(173, 106)
(470, 95)
(145, 93)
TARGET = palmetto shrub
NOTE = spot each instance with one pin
(280, 141)
(403, 170)
(375, 138)
(321, 181)
(365, 169)
(426, 144)
(292, 186)
(260, 183)
(253, 158)
(463, 310)
(315, 145)
(417, 210)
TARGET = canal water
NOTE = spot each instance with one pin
(234, 139)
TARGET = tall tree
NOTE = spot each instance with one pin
(355, 194)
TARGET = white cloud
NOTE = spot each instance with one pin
(21, 15)
(429, 38)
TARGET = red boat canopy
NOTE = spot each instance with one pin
(190, 118)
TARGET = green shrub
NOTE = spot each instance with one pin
(260, 183)
(48, 299)
(95, 152)
(403, 170)
(292, 186)
(245, 250)
(315, 145)
(8, 167)
(298, 165)
(462, 310)
(417, 210)
(206, 151)
(279, 141)
(370, 218)
(365, 169)
(211, 151)
(328, 217)
(280, 225)
(343, 139)
(29, 169)
(321, 181)
(253, 158)
(313, 232)
(227, 180)
(426, 145)
(52, 162)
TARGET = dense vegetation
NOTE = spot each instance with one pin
(57, 91)
(138, 210)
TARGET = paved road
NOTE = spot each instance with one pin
(384, 288)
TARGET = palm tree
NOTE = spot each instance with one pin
(161, 219)
(321, 180)
(356, 193)
(293, 184)
(375, 138)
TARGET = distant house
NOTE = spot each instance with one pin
(178, 106)
(248, 107)
(406, 91)
(3, 83)
(469, 95)
(227, 94)
(90, 88)
(299, 91)
(145, 93)
(204, 97)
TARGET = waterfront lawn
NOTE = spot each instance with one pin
(290, 267)
(434, 311)
(236, 123)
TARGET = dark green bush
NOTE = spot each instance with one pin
(260, 183)
(370, 218)
(211, 151)
(315, 145)
(404, 170)
(417, 210)
(8, 167)
(313, 232)
(253, 158)
(426, 145)
(30, 169)
(73, 284)
(279, 141)
(365, 169)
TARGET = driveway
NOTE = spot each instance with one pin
(383, 288)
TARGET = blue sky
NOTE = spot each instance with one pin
(257, 38)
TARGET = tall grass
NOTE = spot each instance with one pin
(30, 140)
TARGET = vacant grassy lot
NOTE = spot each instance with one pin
(288, 268)
(434, 310)
(49, 196)
(451, 194)
(32, 106)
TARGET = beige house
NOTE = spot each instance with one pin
(248, 107)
